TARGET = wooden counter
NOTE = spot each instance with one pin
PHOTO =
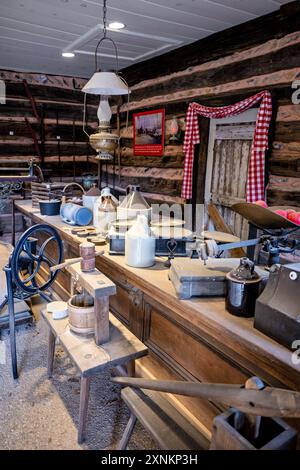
(193, 339)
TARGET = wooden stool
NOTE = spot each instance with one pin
(122, 348)
(168, 427)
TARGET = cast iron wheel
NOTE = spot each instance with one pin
(29, 256)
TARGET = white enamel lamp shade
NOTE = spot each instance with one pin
(105, 83)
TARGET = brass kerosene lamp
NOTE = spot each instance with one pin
(104, 141)
(104, 84)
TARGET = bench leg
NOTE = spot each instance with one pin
(122, 445)
(84, 399)
(51, 351)
(130, 366)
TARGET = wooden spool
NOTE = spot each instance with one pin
(82, 314)
(87, 252)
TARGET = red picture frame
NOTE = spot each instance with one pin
(149, 133)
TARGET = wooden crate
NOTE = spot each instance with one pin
(276, 434)
(49, 190)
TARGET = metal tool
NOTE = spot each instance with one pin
(275, 239)
(274, 245)
(249, 423)
(267, 401)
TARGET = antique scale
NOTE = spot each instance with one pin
(207, 277)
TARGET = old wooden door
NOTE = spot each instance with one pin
(229, 149)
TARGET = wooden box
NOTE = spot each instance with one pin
(275, 434)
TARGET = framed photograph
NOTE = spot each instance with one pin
(149, 133)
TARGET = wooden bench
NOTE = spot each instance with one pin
(121, 349)
(168, 427)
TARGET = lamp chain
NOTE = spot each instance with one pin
(106, 38)
(104, 17)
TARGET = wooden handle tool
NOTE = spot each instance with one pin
(267, 402)
(70, 261)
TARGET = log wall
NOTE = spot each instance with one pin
(42, 119)
(215, 71)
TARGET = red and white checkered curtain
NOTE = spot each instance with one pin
(256, 171)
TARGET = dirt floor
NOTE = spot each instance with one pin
(38, 413)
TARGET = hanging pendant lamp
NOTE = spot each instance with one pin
(105, 84)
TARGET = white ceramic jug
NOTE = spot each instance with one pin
(140, 244)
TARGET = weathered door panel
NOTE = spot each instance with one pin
(229, 151)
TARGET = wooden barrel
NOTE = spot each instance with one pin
(81, 314)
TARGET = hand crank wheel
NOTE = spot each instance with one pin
(39, 247)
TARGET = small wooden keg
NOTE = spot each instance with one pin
(81, 314)
(87, 252)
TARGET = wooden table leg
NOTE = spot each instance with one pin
(101, 320)
(51, 351)
(130, 366)
(84, 399)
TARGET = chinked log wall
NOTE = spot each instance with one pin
(215, 71)
(56, 109)
(59, 105)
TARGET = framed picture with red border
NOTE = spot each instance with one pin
(149, 133)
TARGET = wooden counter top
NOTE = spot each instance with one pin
(206, 318)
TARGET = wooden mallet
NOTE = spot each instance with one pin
(87, 258)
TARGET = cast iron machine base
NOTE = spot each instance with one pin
(23, 272)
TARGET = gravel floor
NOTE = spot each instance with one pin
(38, 413)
